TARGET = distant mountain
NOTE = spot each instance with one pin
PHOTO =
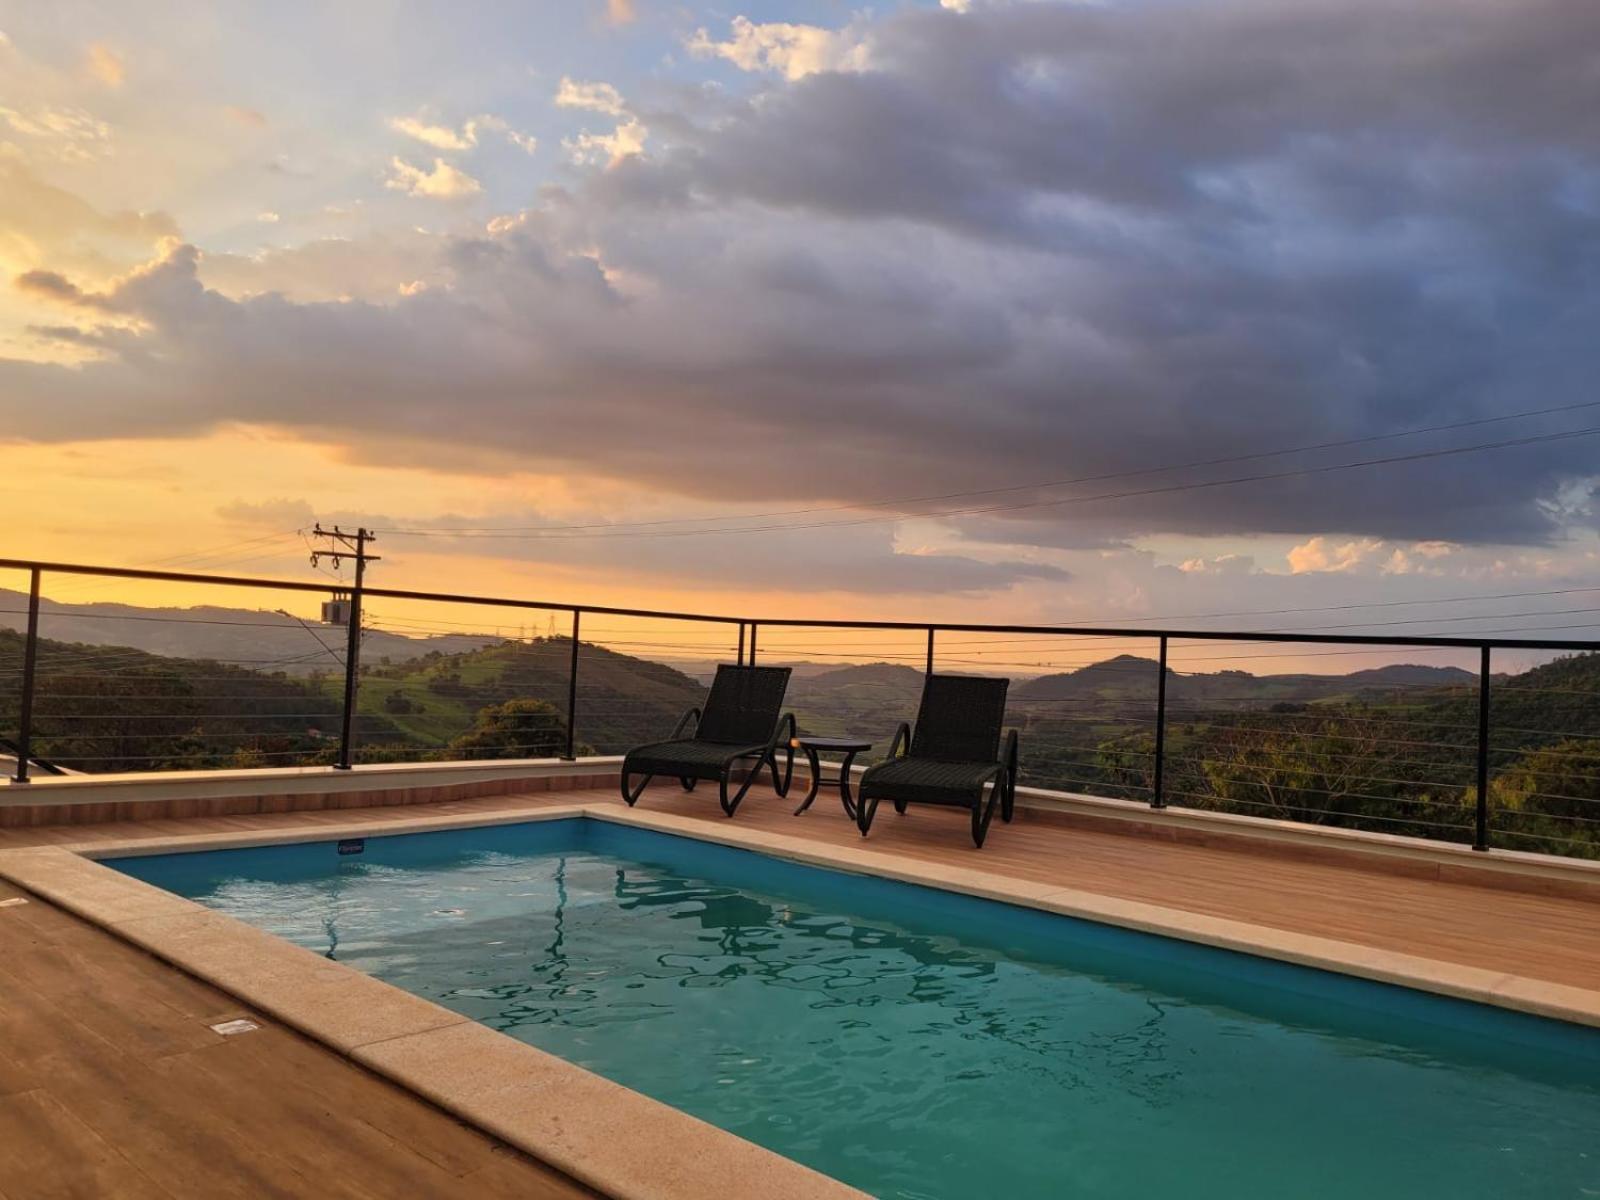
(260, 639)
(1120, 676)
(1129, 677)
(891, 675)
(1405, 675)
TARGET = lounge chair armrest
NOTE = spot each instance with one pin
(778, 738)
(902, 740)
(688, 718)
(1008, 755)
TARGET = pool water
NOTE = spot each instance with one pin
(919, 1044)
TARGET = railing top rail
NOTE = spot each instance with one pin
(1297, 637)
(290, 585)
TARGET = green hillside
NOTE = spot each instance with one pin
(865, 701)
(622, 700)
(109, 708)
(1393, 763)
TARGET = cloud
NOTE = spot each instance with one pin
(1047, 242)
(246, 116)
(596, 96)
(268, 217)
(608, 149)
(793, 51)
(443, 137)
(440, 137)
(49, 285)
(66, 133)
(626, 139)
(441, 182)
(46, 227)
(278, 513)
(621, 12)
(106, 65)
(864, 560)
(1321, 554)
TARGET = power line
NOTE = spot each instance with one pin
(1418, 456)
(212, 557)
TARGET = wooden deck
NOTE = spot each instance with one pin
(112, 1084)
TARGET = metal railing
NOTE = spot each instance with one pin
(748, 631)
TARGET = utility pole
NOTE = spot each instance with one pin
(340, 546)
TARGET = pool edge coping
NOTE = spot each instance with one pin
(1498, 989)
(392, 1032)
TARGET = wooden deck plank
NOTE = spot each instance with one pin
(52, 1155)
(112, 1084)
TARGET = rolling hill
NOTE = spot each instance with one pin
(622, 700)
(1129, 677)
(257, 638)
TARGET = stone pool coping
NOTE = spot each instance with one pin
(615, 1140)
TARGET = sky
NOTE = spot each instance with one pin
(1033, 311)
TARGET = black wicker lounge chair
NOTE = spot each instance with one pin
(740, 723)
(954, 755)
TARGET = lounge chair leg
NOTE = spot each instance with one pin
(632, 797)
(781, 786)
(728, 805)
(865, 811)
(982, 814)
(687, 782)
(900, 807)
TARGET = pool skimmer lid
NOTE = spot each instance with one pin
(233, 1028)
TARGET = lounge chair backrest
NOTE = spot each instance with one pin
(744, 705)
(960, 718)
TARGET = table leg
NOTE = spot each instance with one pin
(816, 781)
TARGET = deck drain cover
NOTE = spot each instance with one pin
(230, 1028)
(12, 902)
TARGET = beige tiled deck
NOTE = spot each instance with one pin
(144, 1066)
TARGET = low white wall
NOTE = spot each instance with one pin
(157, 786)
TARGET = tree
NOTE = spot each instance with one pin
(515, 729)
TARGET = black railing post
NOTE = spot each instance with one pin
(752, 650)
(572, 694)
(1158, 796)
(741, 643)
(930, 650)
(30, 661)
(1480, 831)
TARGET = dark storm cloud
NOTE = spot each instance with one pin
(1031, 242)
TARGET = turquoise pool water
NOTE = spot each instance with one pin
(919, 1044)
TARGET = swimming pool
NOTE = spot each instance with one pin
(917, 1043)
